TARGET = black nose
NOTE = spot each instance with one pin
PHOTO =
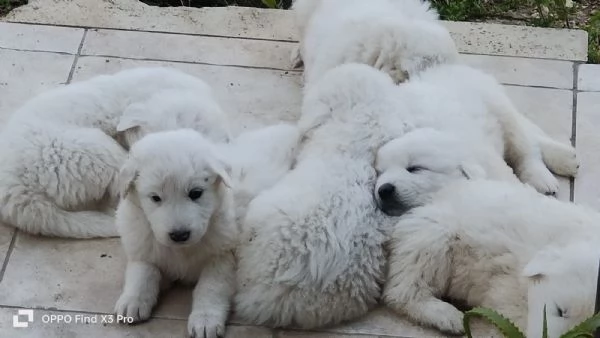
(386, 191)
(179, 235)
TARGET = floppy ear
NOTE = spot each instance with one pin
(133, 117)
(540, 265)
(472, 171)
(127, 176)
(221, 168)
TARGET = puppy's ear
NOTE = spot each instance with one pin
(222, 168)
(540, 265)
(133, 117)
(127, 176)
(472, 171)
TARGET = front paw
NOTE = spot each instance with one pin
(135, 306)
(206, 325)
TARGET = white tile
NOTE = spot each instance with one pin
(26, 74)
(475, 38)
(63, 274)
(521, 41)
(525, 71)
(587, 184)
(589, 78)
(551, 109)
(201, 49)
(53, 324)
(252, 97)
(40, 38)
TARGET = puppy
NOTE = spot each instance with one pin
(177, 215)
(563, 279)
(464, 129)
(479, 242)
(311, 251)
(63, 149)
(399, 37)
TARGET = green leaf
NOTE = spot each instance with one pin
(508, 329)
(270, 3)
(585, 328)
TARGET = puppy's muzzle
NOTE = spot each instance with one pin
(388, 201)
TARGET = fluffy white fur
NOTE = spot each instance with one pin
(312, 253)
(63, 149)
(564, 280)
(399, 37)
(177, 216)
(466, 127)
(485, 243)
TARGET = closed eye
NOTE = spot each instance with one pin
(415, 169)
(561, 312)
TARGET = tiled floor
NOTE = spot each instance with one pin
(246, 60)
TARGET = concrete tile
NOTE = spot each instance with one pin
(135, 15)
(252, 97)
(26, 74)
(589, 78)
(234, 331)
(551, 109)
(306, 334)
(587, 184)
(63, 274)
(521, 41)
(384, 322)
(474, 38)
(201, 49)
(525, 71)
(46, 324)
(6, 235)
(40, 38)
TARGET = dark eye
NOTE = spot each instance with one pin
(155, 198)
(195, 194)
(414, 169)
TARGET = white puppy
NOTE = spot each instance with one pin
(466, 128)
(63, 149)
(312, 250)
(399, 37)
(564, 280)
(177, 216)
(476, 242)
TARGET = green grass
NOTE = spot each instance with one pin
(7, 5)
(539, 13)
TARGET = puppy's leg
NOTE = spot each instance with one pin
(560, 158)
(522, 149)
(212, 298)
(418, 273)
(140, 293)
(67, 186)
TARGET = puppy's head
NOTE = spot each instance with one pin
(415, 166)
(173, 109)
(179, 182)
(564, 280)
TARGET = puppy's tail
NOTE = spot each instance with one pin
(39, 216)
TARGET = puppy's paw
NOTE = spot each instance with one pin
(135, 306)
(202, 324)
(561, 159)
(538, 176)
(434, 313)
